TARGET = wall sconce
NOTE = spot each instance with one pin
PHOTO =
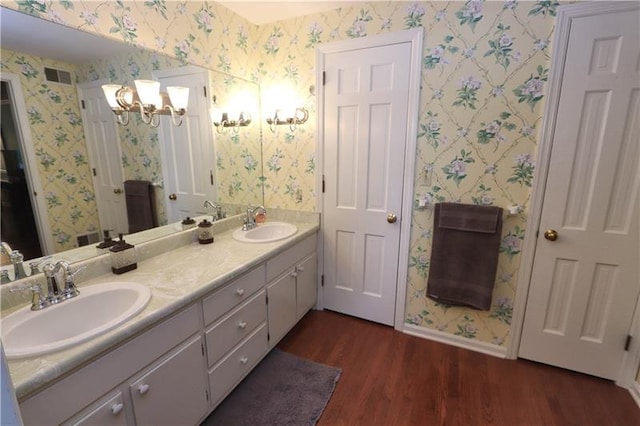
(147, 99)
(222, 119)
(299, 116)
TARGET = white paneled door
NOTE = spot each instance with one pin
(105, 157)
(188, 157)
(585, 283)
(366, 95)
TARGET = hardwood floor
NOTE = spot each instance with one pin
(390, 378)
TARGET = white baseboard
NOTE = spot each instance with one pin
(458, 341)
(635, 392)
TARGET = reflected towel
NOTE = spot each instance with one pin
(464, 255)
(141, 210)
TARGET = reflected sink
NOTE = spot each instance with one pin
(97, 309)
(266, 232)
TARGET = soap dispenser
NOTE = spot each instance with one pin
(205, 234)
(106, 244)
(123, 257)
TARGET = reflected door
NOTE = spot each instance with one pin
(188, 151)
(105, 157)
(585, 283)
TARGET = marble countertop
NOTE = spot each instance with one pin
(176, 278)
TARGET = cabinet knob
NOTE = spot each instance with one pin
(242, 325)
(300, 268)
(240, 291)
(117, 408)
(244, 360)
(294, 274)
(142, 389)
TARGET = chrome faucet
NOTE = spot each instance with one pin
(17, 260)
(219, 214)
(54, 293)
(250, 218)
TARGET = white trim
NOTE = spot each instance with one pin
(635, 392)
(561, 40)
(415, 37)
(453, 340)
(32, 173)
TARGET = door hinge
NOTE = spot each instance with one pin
(206, 392)
(94, 172)
(204, 89)
(268, 337)
(267, 299)
(322, 280)
(627, 343)
(537, 233)
(324, 78)
(323, 185)
(202, 347)
(211, 176)
(82, 102)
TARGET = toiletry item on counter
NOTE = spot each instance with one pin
(106, 244)
(188, 223)
(123, 257)
(205, 232)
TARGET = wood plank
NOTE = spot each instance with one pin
(390, 378)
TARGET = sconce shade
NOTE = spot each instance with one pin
(179, 96)
(216, 114)
(148, 91)
(110, 93)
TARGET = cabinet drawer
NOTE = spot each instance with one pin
(279, 264)
(109, 413)
(230, 295)
(237, 364)
(229, 331)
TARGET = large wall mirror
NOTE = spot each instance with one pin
(72, 151)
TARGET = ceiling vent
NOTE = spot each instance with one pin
(57, 76)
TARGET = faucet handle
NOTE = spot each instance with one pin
(38, 301)
(70, 289)
(34, 265)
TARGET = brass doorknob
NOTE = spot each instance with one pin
(392, 218)
(551, 234)
(173, 197)
(117, 191)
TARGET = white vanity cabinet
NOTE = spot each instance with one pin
(235, 331)
(291, 288)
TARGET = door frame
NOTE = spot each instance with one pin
(415, 37)
(36, 192)
(566, 14)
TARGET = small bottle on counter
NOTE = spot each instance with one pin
(188, 223)
(123, 257)
(205, 232)
(106, 244)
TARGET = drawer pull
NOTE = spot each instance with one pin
(240, 291)
(242, 325)
(244, 360)
(294, 274)
(116, 408)
(300, 268)
(142, 389)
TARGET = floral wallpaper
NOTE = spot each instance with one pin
(484, 70)
(58, 139)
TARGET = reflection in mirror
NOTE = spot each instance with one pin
(79, 160)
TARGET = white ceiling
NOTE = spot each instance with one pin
(264, 12)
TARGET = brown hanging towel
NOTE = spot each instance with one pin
(464, 256)
(141, 206)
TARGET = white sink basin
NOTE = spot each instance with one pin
(97, 309)
(266, 232)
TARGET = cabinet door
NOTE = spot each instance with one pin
(173, 392)
(107, 413)
(307, 281)
(282, 306)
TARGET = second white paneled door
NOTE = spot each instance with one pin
(366, 97)
(585, 283)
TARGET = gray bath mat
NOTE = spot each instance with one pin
(282, 390)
